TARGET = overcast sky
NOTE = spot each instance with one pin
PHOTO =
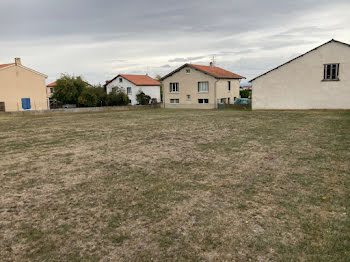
(101, 38)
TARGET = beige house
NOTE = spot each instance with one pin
(198, 86)
(21, 88)
(318, 79)
(50, 88)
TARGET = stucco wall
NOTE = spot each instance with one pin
(188, 85)
(299, 85)
(152, 91)
(16, 83)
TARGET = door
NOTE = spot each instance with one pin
(2, 106)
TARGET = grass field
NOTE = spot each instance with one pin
(175, 185)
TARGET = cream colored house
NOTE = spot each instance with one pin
(50, 88)
(22, 88)
(198, 86)
(318, 79)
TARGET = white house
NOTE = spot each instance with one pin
(133, 84)
(318, 79)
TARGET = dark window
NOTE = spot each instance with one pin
(203, 101)
(174, 101)
(188, 71)
(51, 90)
(120, 80)
(188, 97)
(229, 85)
(331, 72)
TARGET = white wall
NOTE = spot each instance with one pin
(299, 85)
(152, 91)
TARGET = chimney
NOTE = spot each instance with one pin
(18, 61)
(211, 64)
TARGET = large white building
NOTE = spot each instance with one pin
(318, 79)
(133, 84)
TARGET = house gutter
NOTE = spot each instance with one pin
(215, 100)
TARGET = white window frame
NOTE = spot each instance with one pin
(127, 90)
(174, 101)
(333, 72)
(201, 87)
(174, 87)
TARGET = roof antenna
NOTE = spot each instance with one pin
(213, 60)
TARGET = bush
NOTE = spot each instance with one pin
(119, 98)
(245, 93)
(142, 98)
(88, 97)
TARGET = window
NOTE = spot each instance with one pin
(174, 101)
(51, 90)
(331, 72)
(203, 101)
(120, 80)
(26, 103)
(229, 85)
(128, 90)
(188, 97)
(228, 100)
(174, 87)
(223, 100)
(203, 87)
(188, 71)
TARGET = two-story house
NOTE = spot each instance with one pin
(133, 84)
(198, 86)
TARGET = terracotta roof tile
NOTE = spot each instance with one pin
(6, 65)
(216, 71)
(51, 84)
(141, 80)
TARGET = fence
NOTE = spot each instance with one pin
(88, 109)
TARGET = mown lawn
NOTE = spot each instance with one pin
(168, 185)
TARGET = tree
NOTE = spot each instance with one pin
(101, 95)
(69, 88)
(158, 77)
(142, 98)
(88, 97)
(245, 93)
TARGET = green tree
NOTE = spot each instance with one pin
(245, 93)
(88, 97)
(69, 88)
(101, 95)
(142, 98)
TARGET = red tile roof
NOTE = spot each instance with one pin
(51, 84)
(6, 65)
(216, 71)
(141, 80)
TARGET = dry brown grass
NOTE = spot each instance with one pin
(175, 185)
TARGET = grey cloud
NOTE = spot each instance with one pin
(187, 59)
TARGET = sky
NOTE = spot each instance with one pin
(99, 39)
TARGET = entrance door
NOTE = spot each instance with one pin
(2, 106)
